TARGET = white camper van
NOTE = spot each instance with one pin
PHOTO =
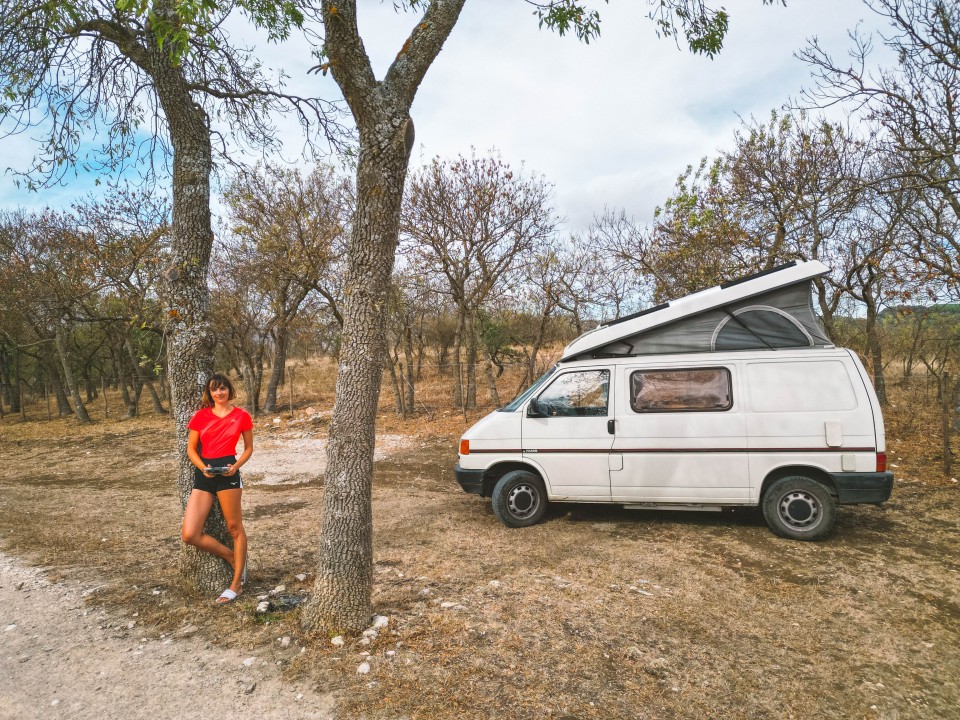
(729, 397)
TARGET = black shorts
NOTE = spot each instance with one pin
(217, 482)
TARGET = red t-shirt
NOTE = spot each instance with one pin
(219, 436)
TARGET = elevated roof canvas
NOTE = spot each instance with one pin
(769, 310)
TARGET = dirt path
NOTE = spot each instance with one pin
(61, 657)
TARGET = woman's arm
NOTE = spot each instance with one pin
(247, 452)
(192, 453)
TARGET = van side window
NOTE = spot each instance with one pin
(694, 389)
(577, 394)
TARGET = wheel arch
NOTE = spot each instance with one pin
(493, 473)
(814, 473)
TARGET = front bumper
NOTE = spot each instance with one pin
(470, 480)
(854, 488)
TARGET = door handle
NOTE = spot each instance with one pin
(611, 426)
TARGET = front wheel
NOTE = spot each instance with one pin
(519, 499)
(799, 508)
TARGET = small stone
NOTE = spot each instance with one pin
(337, 641)
(189, 630)
(494, 583)
(390, 653)
(364, 641)
(363, 668)
(249, 688)
(249, 661)
(447, 604)
(370, 633)
(276, 421)
(263, 597)
(55, 702)
(301, 577)
(425, 591)
(263, 607)
(19, 585)
(278, 589)
(299, 696)
(380, 622)
(10, 627)
(131, 625)
(156, 592)
(285, 641)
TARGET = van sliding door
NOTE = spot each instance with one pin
(682, 436)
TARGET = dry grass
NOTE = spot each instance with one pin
(596, 613)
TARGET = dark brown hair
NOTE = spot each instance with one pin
(217, 380)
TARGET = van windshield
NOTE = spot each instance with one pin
(520, 399)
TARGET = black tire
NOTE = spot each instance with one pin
(519, 499)
(799, 508)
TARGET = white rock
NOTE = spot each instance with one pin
(285, 641)
(54, 703)
(447, 604)
(301, 577)
(276, 421)
(131, 625)
(370, 633)
(337, 641)
(391, 653)
(299, 696)
(380, 622)
(249, 661)
(10, 627)
(263, 607)
(425, 591)
(262, 597)
(278, 589)
(364, 641)
(494, 583)
(363, 668)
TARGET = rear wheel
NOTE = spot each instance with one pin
(799, 508)
(519, 499)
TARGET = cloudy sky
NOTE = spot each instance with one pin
(611, 123)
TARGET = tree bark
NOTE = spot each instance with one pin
(341, 599)
(279, 366)
(184, 292)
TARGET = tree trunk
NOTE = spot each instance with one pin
(397, 393)
(184, 293)
(875, 351)
(471, 359)
(279, 365)
(458, 381)
(410, 388)
(341, 598)
(81, 409)
(492, 384)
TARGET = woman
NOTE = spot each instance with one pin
(216, 427)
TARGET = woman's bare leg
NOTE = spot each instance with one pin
(194, 518)
(230, 504)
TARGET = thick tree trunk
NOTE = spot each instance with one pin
(184, 293)
(279, 366)
(81, 409)
(341, 596)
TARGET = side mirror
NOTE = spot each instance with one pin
(533, 409)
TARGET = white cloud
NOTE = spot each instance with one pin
(609, 123)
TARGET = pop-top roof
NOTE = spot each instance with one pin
(768, 310)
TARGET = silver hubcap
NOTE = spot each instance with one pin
(523, 501)
(800, 510)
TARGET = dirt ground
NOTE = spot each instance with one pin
(595, 613)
